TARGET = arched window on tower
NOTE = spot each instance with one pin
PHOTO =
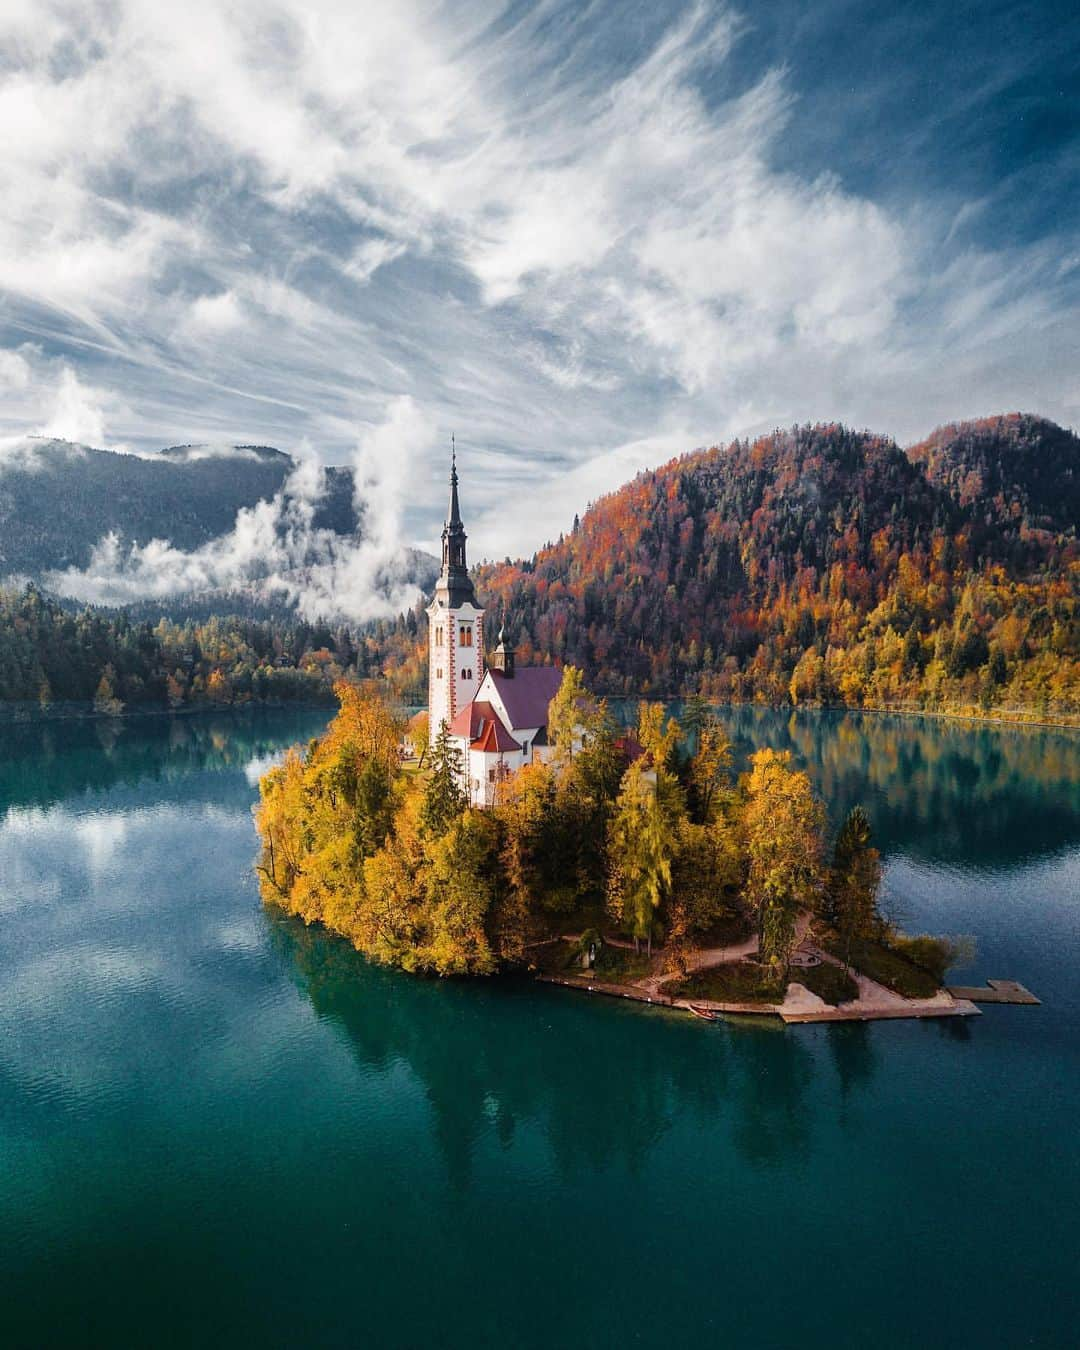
(465, 635)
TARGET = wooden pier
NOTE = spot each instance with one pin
(995, 991)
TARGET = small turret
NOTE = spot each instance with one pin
(502, 658)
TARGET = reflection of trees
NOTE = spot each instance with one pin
(852, 1048)
(773, 1120)
(603, 1083)
(971, 793)
(43, 763)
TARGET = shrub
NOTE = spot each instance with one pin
(829, 982)
(933, 954)
(731, 982)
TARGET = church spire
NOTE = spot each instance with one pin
(455, 568)
(503, 657)
(455, 621)
(453, 516)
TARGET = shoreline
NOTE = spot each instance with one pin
(1014, 719)
(794, 1011)
(873, 1002)
(29, 714)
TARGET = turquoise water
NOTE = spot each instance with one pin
(218, 1128)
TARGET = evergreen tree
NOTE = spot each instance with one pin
(854, 882)
(444, 795)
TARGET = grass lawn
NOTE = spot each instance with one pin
(732, 982)
(619, 964)
(831, 983)
(891, 969)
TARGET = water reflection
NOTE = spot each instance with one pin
(191, 1083)
(969, 793)
(603, 1081)
(851, 1046)
(45, 763)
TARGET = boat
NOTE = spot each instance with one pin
(706, 1014)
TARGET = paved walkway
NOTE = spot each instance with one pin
(874, 1002)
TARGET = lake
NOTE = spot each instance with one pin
(219, 1127)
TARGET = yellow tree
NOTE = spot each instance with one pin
(567, 711)
(641, 848)
(659, 735)
(462, 883)
(784, 825)
(708, 770)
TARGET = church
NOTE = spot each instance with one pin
(497, 714)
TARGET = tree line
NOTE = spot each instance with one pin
(51, 655)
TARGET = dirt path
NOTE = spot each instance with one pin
(874, 1000)
(718, 956)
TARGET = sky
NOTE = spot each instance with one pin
(581, 236)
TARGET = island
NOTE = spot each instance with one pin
(624, 861)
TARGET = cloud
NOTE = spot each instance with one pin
(45, 397)
(557, 232)
(369, 256)
(275, 551)
(216, 313)
(78, 412)
(14, 372)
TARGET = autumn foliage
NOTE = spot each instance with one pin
(649, 831)
(822, 566)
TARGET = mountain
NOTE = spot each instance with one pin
(1016, 472)
(58, 499)
(77, 521)
(827, 565)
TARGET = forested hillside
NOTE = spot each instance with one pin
(51, 656)
(825, 565)
(815, 565)
(1018, 474)
(57, 499)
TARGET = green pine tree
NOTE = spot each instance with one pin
(854, 883)
(444, 796)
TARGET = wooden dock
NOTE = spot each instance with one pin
(995, 991)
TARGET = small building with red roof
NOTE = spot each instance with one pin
(505, 726)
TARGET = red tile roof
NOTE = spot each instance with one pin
(467, 722)
(481, 726)
(494, 739)
(628, 745)
(527, 693)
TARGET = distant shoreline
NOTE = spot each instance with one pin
(30, 713)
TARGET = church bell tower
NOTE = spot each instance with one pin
(455, 623)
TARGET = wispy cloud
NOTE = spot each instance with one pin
(566, 236)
